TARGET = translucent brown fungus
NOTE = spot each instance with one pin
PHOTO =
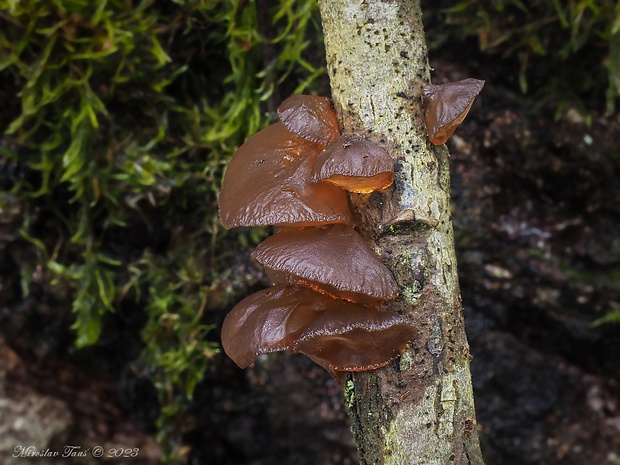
(269, 321)
(339, 335)
(329, 281)
(355, 164)
(268, 182)
(311, 117)
(355, 338)
(334, 259)
(447, 105)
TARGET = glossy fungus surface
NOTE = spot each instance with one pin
(334, 259)
(329, 283)
(355, 339)
(355, 164)
(339, 335)
(447, 105)
(267, 182)
(311, 117)
(269, 321)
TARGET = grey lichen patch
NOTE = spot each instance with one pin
(403, 179)
(448, 399)
(412, 293)
(436, 342)
(408, 258)
(428, 429)
(411, 193)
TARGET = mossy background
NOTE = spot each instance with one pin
(118, 118)
(543, 40)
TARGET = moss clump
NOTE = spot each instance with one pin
(118, 119)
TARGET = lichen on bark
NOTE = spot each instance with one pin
(420, 408)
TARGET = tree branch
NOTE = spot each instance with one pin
(419, 410)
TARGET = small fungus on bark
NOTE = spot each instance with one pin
(447, 105)
(311, 117)
(355, 164)
(267, 183)
(334, 259)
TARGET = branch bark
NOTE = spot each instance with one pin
(420, 409)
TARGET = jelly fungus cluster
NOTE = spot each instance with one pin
(329, 285)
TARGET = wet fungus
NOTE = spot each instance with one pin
(355, 164)
(355, 338)
(329, 284)
(311, 117)
(339, 335)
(268, 321)
(266, 183)
(447, 105)
(335, 260)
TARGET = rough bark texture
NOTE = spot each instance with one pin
(420, 409)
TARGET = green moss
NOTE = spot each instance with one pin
(349, 393)
(123, 116)
(612, 317)
(545, 39)
(406, 362)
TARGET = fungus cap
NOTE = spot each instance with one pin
(338, 335)
(268, 321)
(355, 164)
(334, 259)
(355, 339)
(447, 105)
(311, 117)
(267, 182)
